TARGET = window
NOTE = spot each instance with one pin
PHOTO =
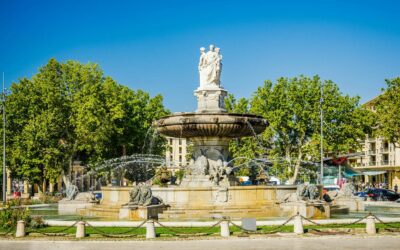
(170, 141)
(180, 150)
(180, 141)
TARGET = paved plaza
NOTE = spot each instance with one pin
(319, 243)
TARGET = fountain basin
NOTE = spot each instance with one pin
(189, 125)
(206, 202)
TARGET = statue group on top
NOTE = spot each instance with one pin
(210, 67)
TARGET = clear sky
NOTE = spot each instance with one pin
(154, 45)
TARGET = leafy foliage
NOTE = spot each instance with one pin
(388, 111)
(10, 215)
(70, 111)
(292, 107)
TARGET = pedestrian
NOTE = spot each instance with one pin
(396, 188)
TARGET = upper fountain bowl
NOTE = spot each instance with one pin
(189, 125)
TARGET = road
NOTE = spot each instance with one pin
(309, 243)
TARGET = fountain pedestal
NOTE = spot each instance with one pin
(315, 209)
(210, 99)
(141, 212)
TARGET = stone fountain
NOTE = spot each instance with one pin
(210, 128)
(208, 188)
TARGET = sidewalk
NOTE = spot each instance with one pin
(386, 242)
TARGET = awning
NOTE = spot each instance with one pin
(374, 172)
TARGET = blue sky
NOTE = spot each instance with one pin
(154, 45)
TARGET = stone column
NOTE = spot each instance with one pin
(366, 179)
(9, 182)
(26, 187)
(20, 229)
(370, 225)
(80, 230)
(225, 228)
(298, 225)
(150, 230)
(51, 187)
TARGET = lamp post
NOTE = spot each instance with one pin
(322, 134)
(3, 99)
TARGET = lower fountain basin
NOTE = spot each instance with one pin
(188, 125)
(204, 202)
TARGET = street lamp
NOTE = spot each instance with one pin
(3, 99)
(322, 134)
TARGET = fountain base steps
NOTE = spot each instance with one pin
(106, 211)
(235, 212)
(124, 212)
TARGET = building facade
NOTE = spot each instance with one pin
(379, 159)
(176, 153)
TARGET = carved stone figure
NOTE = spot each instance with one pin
(71, 192)
(164, 176)
(217, 171)
(134, 196)
(210, 66)
(202, 63)
(142, 196)
(145, 196)
(200, 166)
(307, 192)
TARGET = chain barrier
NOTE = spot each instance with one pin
(384, 223)
(271, 231)
(335, 225)
(54, 233)
(206, 230)
(181, 234)
(124, 234)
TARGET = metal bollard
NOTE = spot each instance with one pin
(370, 225)
(20, 229)
(225, 228)
(298, 225)
(150, 230)
(80, 230)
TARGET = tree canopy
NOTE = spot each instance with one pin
(388, 111)
(71, 111)
(292, 107)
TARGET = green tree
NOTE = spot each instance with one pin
(247, 148)
(388, 111)
(71, 111)
(292, 107)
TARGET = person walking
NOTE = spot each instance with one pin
(396, 188)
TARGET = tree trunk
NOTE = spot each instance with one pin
(293, 179)
(67, 177)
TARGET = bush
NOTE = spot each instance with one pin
(10, 215)
(37, 222)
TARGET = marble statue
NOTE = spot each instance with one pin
(210, 67)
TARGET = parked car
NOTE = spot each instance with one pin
(379, 194)
(331, 188)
